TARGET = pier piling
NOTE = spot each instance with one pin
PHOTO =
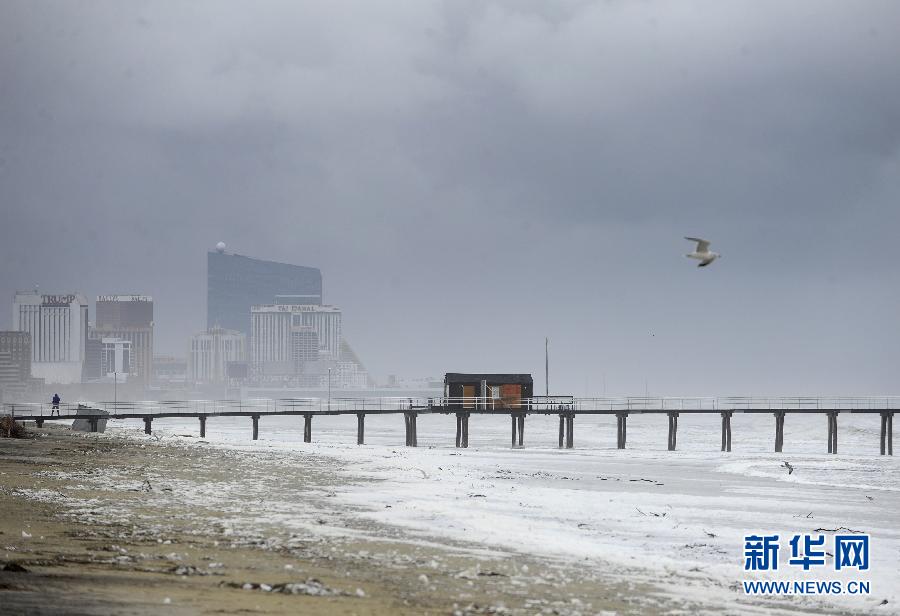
(835, 433)
(518, 428)
(562, 430)
(255, 427)
(202, 426)
(622, 430)
(832, 431)
(307, 427)
(93, 423)
(887, 436)
(726, 430)
(779, 431)
(360, 428)
(411, 436)
(147, 423)
(673, 430)
(570, 430)
(40, 424)
(890, 433)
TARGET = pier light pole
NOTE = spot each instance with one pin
(115, 391)
(547, 367)
(329, 389)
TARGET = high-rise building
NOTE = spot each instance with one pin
(58, 325)
(304, 346)
(115, 357)
(15, 361)
(91, 370)
(298, 344)
(128, 317)
(169, 371)
(282, 335)
(212, 351)
(235, 283)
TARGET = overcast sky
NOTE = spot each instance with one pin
(474, 176)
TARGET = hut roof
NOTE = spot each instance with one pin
(465, 377)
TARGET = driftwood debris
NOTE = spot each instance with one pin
(839, 529)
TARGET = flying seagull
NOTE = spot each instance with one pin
(702, 252)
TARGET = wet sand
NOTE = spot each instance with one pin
(108, 524)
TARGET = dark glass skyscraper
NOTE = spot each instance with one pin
(235, 282)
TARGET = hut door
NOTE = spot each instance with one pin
(468, 396)
(511, 395)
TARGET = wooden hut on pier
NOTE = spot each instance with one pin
(488, 391)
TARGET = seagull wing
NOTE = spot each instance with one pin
(702, 245)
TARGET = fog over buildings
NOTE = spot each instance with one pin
(470, 177)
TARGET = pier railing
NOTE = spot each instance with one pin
(476, 404)
(567, 407)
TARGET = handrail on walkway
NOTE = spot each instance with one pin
(539, 404)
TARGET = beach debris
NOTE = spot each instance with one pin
(14, 568)
(653, 481)
(311, 587)
(360, 592)
(788, 466)
(26, 535)
(11, 428)
(474, 608)
(423, 578)
(190, 570)
(839, 529)
(167, 600)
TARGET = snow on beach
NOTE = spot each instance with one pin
(676, 519)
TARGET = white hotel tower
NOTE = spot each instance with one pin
(271, 329)
(58, 325)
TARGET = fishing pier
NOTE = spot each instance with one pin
(568, 408)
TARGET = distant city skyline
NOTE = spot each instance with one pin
(236, 282)
(472, 178)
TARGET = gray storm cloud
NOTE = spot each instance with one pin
(474, 176)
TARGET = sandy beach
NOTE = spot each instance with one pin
(104, 524)
(129, 523)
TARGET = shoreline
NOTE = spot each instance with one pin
(107, 523)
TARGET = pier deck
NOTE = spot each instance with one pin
(566, 407)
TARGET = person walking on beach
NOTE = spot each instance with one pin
(55, 405)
